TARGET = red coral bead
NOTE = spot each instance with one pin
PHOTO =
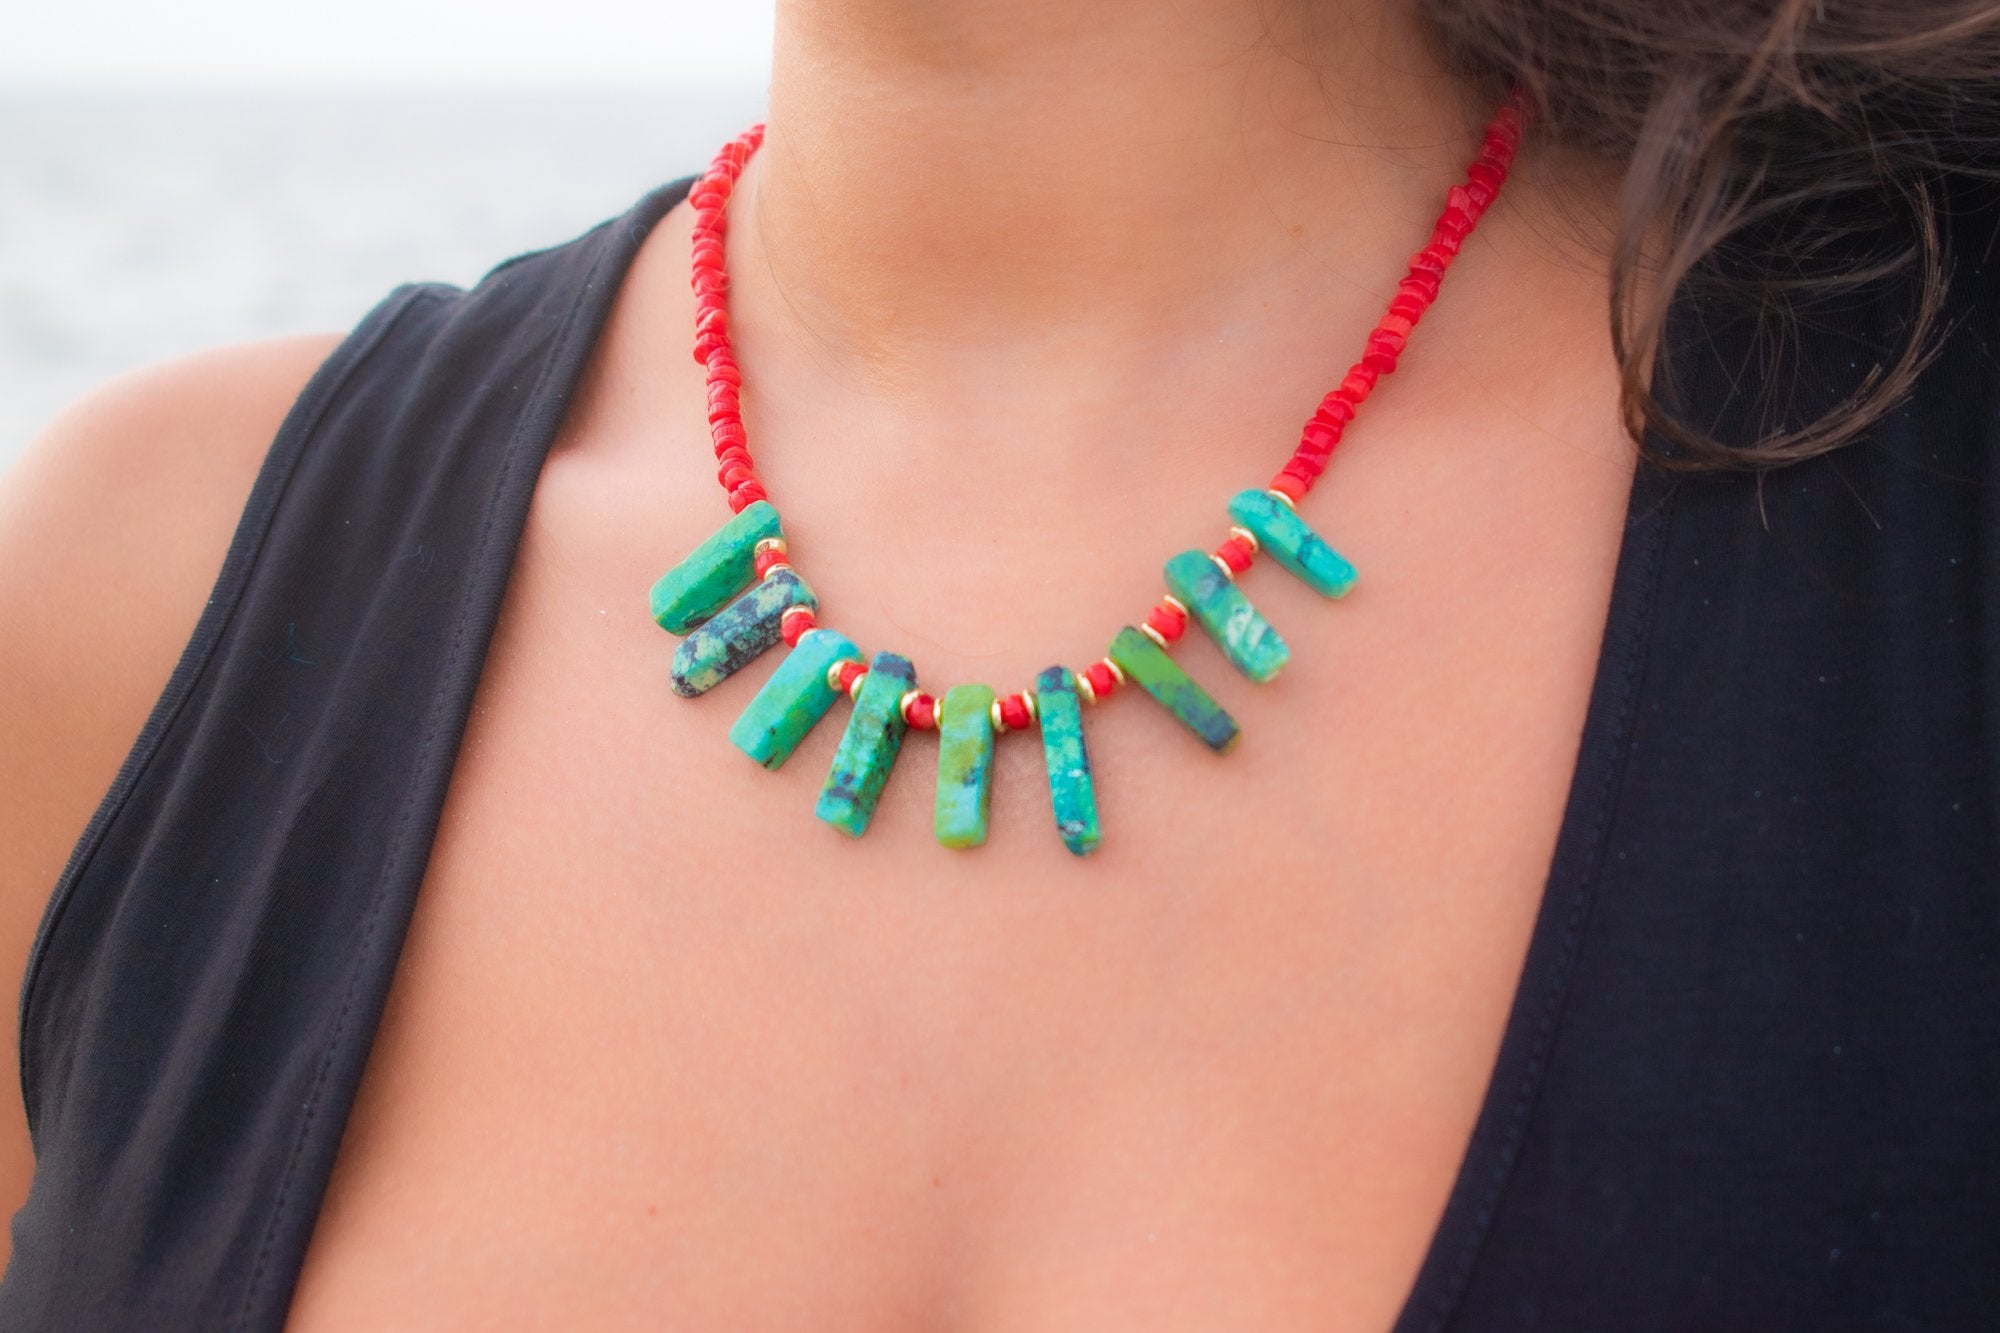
(1290, 483)
(1235, 553)
(1014, 713)
(1336, 410)
(795, 623)
(1167, 622)
(1422, 282)
(1103, 680)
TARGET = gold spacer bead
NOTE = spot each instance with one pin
(1155, 636)
(769, 544)
(1084, 689)
(1247, 537)
(775, 566)
(1175, 602)
(1222, 565)
(833, 675)
(1282, 498)
(903, 705)
(854, 690)
(1117, 672)
(1028, 698)
(999, 723)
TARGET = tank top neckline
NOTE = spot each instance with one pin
(604, 260)
(1535, 1008)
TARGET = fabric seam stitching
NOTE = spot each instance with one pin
(558, 347)
(1555, 998)
(190, 670)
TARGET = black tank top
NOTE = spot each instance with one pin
(1751, 1077)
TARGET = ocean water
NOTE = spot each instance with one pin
(138, 228)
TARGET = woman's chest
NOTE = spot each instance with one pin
(762, 1098)
(663, 1048)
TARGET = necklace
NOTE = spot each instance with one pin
(737, 594)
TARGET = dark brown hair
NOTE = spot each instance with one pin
(1778, 153)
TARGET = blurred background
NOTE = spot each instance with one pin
(174, 177)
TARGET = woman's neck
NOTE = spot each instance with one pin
(1053, 177)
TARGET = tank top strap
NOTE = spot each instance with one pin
(209, 974)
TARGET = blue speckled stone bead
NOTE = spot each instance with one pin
(1290, 541)
(715, 571)
(738, 633)
(1071, 793)
(794, 699)
(1220, 608)
(868, 747)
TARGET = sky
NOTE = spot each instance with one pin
(145, 44)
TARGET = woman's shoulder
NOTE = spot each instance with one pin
(117, 521)
(113, 526)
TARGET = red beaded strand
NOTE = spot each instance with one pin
(1464, 205)
(712, 349)
(1167, 621)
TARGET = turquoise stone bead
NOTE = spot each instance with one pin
(1070, 789)
(1147, 665)
(1220, 607)
(1287, 538)
(868, 747)
(794, 699)
(735, 635)
(714, 571)
(965, 766)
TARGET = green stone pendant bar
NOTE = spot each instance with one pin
(1070, 789)
(1287, 538)
(1244, 636)
(1148, 666)
(738, 633)
(794, 699)
(868, 747)
(965, 766)
(715, 571)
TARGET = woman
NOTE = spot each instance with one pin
(1593, 928)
